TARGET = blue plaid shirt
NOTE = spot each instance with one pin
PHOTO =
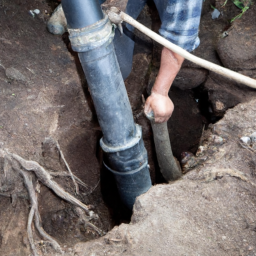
(180, 20)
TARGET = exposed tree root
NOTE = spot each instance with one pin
(23, 167)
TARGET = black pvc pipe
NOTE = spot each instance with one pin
(125, 154)
(127, 163)
(82, 13)
(109, 95)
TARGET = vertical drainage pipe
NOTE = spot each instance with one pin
(91, 35)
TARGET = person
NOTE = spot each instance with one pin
(180, 25)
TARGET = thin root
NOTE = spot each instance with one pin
(67, 166)
(64, 174)
(29, 231)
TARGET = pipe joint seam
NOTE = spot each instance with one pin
(93, 36)
(130, 172)
(129, 144)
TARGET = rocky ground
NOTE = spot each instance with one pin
(47, 116)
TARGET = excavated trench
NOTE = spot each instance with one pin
(41, 97)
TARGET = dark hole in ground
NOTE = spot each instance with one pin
(201, 96)
(108, 186)
(53, 3)
(118, 211)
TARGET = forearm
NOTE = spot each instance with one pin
(159, 101)
(170, 65)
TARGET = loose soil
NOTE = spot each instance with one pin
(44, 99)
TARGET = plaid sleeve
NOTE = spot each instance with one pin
(180, 22)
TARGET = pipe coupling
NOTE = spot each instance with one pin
(129, 144)
(143, 166)
(93, 36)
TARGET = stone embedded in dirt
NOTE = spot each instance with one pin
(36, 11)
(215, 14)
(13, 73)
(57, 24)
(253, 137)
(188, 161)
(246, 140)
(237, 51)
(224, 93)
(219, 106)
(189, 78)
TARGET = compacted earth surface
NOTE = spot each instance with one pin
(51, 161)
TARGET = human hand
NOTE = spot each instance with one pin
(161, 105)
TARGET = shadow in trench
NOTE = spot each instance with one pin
(120, 214)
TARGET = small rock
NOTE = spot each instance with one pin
(215, 14)
(219, 106)
(253, 137)
(188, 161)
(246, 140)
(15, 74)
(216, 140)
(32, 13)
(250, 248)
(224, 34)
(57, 24)
(36, 11)
(200, 151)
